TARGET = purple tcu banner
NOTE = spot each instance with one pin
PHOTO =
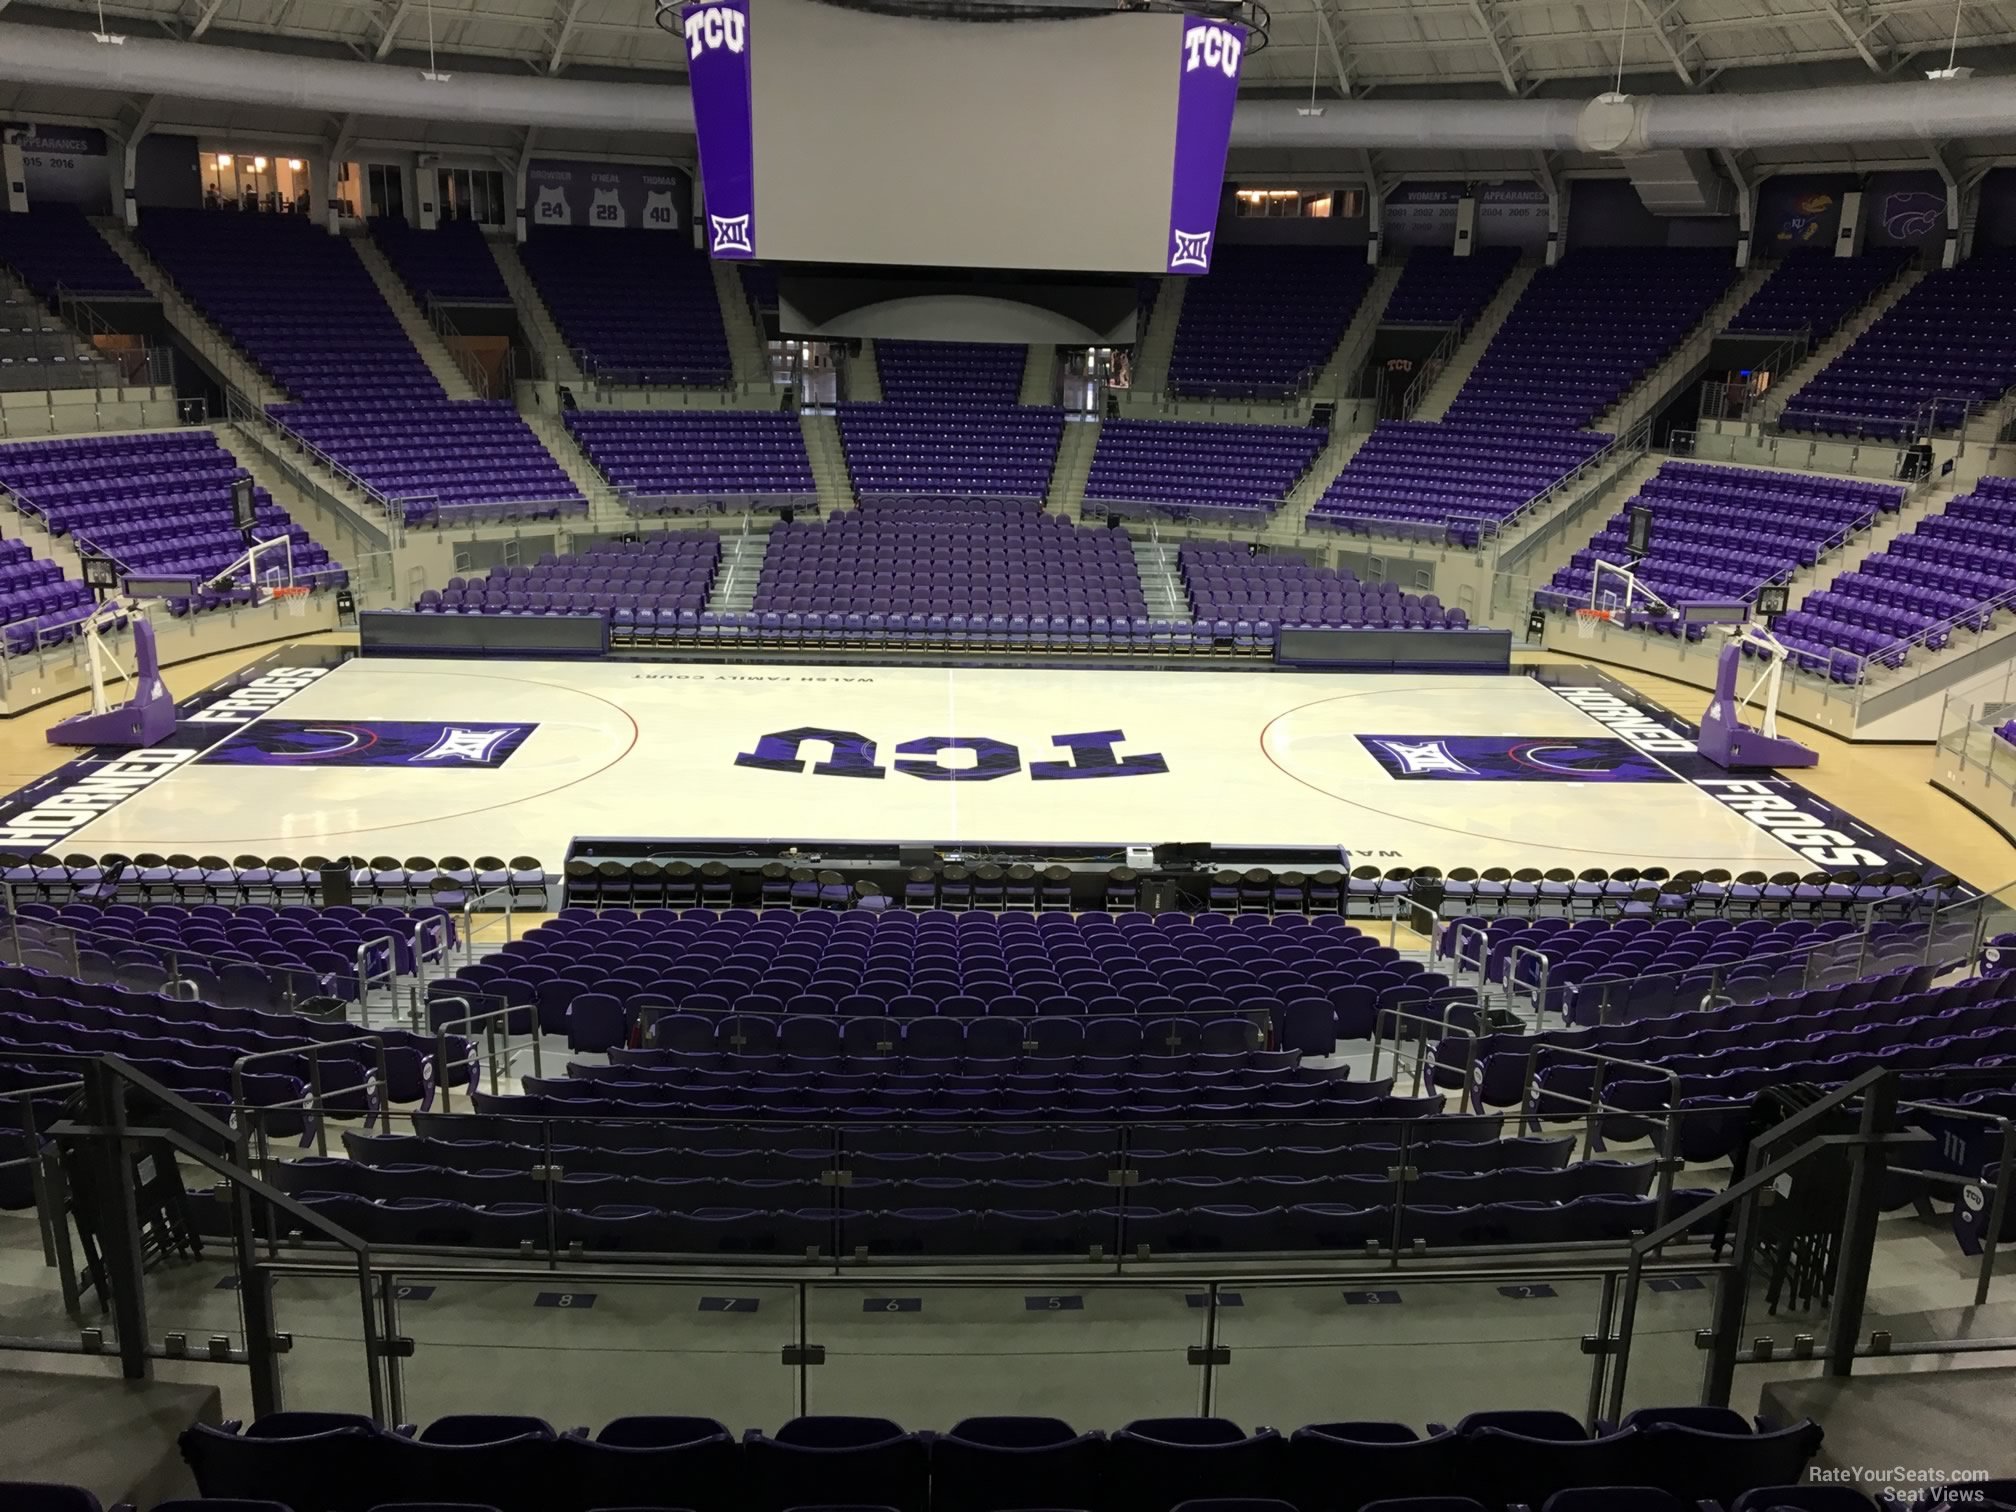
(369, 742)
(1207, 90)
(1513, 758)
(717, 66)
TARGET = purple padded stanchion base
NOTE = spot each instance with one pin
(1733, 745)
(143, 720)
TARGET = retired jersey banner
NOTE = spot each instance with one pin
(717, 65)
(1207, 91)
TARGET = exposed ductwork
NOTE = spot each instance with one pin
(1920, 112)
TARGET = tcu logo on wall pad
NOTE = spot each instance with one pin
(551, 209)
(606, 209)
(1216, 47)
(716, 26)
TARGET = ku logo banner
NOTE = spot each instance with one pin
(1513, 758)
(370, 742)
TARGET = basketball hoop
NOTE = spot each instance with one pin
(1586, 621)
(288, 591)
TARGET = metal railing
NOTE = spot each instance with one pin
(479, 377)
(1744, 402)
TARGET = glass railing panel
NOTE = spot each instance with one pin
(1668, 1363)
(579, 1352)
(1406, 1349)
(930, 1353)
(324, 1366)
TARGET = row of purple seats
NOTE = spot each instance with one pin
(637, 306)
(1659, 1459)
(889, 558)
(53, 247)
(942, 448)
(1265, 320)
(1721, 532)
(1437, 287)
(156, 503)
(451, 263)
(672, 572)
(38, 605)
(1950, 573)
(1199, 463)
(1449, 479)
(655, 453)
(1117, 635)
(975, 372)
(1814, 291)
(1587, 329)
(1223, 580)
(1944, 349)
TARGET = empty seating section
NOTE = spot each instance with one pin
(444, 462)
(634, 306)
(977, 372)
(1437, 287)
(1709, 1064)
(1265, 320)
(904, 964)
(53, 247)
(1586, 330)
(159, 505)
(38, 605)
(1947, 347)
(1450, 479)
(681, 461)
(909, 559)
(1188, 467)
(1950, 574)
(1815, 291)
(669, 574)
(950, 449)
(1596, 970)
(1655, 1459)
(302, 306)
(1720, 533)
(1226, 583)
(451, 263)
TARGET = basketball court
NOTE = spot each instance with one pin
(308, 752)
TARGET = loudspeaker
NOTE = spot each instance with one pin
(1158, 894)
(1112, 522)
(335, 887)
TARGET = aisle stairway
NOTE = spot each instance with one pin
(419, 330)
(741, 568)
(1153, 346)
(554, 361)
(748, 350)
(1161, 581)
(1463, 361)
(829, 462)
(1066, 495)
(188, 323)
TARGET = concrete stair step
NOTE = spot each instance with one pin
(1476, 341)
(419, 330)
(189, 322)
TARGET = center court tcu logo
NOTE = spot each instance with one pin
(1193, 250)
(731, 233)
(1092, 756)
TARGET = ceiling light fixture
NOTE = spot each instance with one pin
(110, 38)
(430, 73)
(1951, 70)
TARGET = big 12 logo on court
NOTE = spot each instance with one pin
(716, 26)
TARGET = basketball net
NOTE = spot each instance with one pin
(1586, 621)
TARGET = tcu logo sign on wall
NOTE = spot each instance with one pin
(716, 26)
(1204, 46)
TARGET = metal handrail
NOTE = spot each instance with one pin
(1594, 1102)
(312, 1101)
(1508, 977)
(469, 907)
(1419, 1060)
(491, 1020)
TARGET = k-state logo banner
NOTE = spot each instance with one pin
(717, 65)
(1513, 758)
(1207, 90)
(370, 742)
